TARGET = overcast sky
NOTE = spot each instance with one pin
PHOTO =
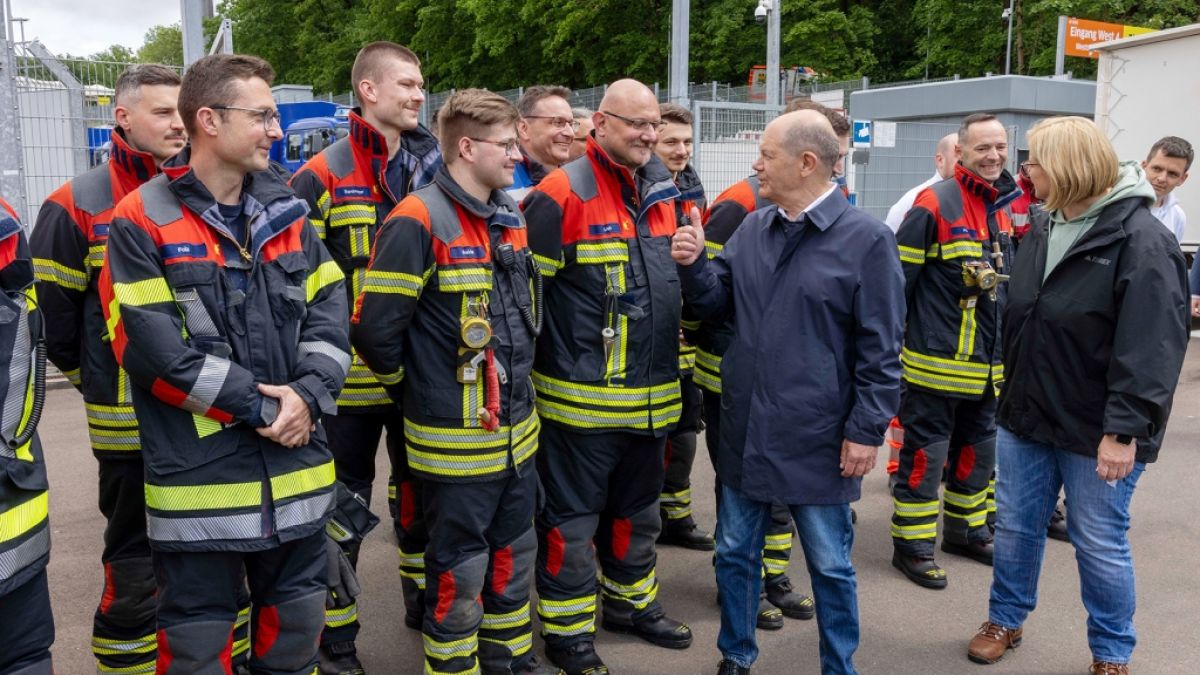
(83, 27)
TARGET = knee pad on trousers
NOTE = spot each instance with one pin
(566, 552)
(195, 648)
(450, 598)
(976, 462)
(128, 600)
(285, 635)
(922, 474)
(631, 542)
(512, 567)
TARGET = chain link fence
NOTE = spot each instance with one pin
(725, 144)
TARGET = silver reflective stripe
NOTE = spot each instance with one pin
(19, 557)
(303, 511)
(199, 322)
(326, 349)
(18, 375)
(208, 385)
(241, 526)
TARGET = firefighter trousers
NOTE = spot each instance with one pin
(601, 488)
(353, 441)
(28, 628)
(777, 544)
(479, 564)
(198, 606)
(675, 502)
(954, 437)
(123, 626)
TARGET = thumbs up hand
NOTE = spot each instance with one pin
(688, 243)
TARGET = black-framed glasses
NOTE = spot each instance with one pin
(269, 116)
(510, 146)
(1026, 164)
(557, 122)
(638, 123)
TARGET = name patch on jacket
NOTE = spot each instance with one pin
(473, 252)
(604, 228)
(960, 232)
(99, 230)
(182, 250)
(353, 192)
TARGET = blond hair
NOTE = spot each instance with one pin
(468, 113)
(1076, 157)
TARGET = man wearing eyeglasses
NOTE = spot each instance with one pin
(547, 130)
(230, 318)
(350, 188)
(607, 380)
(448, 303)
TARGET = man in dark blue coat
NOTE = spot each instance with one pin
(808, 385)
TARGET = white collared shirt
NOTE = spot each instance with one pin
(1171, 214)
(815, 203)
(895, 215)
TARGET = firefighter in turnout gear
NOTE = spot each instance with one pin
(350, 188)
(68, 246)
(230, 319)
(955, 245)
(447, 321)
(607, 380)
(24, 506)
(674, 149)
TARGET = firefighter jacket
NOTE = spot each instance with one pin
(24, 506)
(608, 355)
(526, 175)
(721, 220)
(443, 257)
(691, 194)
(349, 199)
(199, 319)
(952, 341)
(68, 247)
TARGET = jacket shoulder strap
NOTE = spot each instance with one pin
(158, 203)
(443, 217)
(581, 176)
(339, 157)
(92, 190)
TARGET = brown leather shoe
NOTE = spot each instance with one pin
(990, 643)
(1108, 668)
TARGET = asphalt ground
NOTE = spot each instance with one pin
(905, 628)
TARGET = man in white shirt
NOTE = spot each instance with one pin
(1167, 168)
(944, 159)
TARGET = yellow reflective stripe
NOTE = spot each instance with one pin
(911, 255)
(932, 251)
(962, 249)
(73, 376)
(450, 650)
(54, 272)
(547, 266)
(299, 482)
(95, 256)
(579, 605)
(108, 647)
(515, 646)
(915, 509)
(921, 531)
(341, 616)
(943, 382)
(690, 324)
(464, 279)
(390, 379)
(351, 214)
(964, 501)
(966, 334)
(639, 594)
(954, 367)
(24, 517)
(379, 281)
(203, 497)
(973, 519)
(712, 249)
(145, 292)
(513, 619)
(327, 273)
(590, 393)
(600, 252)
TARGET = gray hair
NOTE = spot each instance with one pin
(812, 137)
(580, 112)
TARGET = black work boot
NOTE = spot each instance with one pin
(793, 605)
(1057, 529)
(532, 667)
(339, 658)
(728, 667)
(769, 617)
(579, 658)
(979, 551)
(684, 532)
(921, 570)
(656, 629)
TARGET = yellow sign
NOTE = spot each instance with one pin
(1082, 34)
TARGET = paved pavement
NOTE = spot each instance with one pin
(905, 629)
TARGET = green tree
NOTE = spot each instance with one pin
(163, 44)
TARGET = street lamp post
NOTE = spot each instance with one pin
(1008, 14)
(769, 9)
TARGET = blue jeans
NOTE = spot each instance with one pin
(826, 536)
(1029, 475)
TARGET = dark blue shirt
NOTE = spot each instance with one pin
(818, 317)
(235, 220)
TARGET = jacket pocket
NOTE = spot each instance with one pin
(447, 402)
(289, 299)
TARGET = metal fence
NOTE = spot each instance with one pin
(725, 141)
